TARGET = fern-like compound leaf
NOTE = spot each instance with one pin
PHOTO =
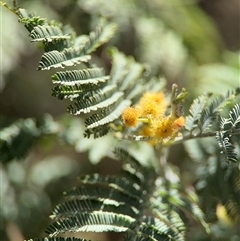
(80, 77)
(97, 221)
(203, 115)
(87, 86)
(107, 115)
(59, 42)
(119, 65)
(106, 195)
(75, 207)
(121, 184)
(170, 218)
(169, 201)
(195, 112)
(76, 91)
(105, 103)
(18, 137)
(226, 146)
(101, 204)
(48, 33)
(52, 34)
(153, 229)
(30, 20)
(133, 170)
(68, 57)
(58, 239)
(94, 101)
(102, 33)
(234, 116)
(229, 131)
(157, 230)
(125, 72)
(209, 113)
(97, 131)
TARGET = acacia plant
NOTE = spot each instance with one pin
(147, 200)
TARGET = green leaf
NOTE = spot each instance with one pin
(58, 239)
(94, 101)
(102, 33)
(97, 221)
(80, 77)
(195, 110)
(228, 132)
(68, 57)
(48, 33)
(18, 137)
(107, 115)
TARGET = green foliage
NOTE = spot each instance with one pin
(119, 203)
(58, 239)
(73, 53)
(109, 203)
(106, 96)
(229, 133)
(147, 200)
(203, 116)
(18, 137)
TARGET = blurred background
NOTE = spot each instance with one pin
(192, 43)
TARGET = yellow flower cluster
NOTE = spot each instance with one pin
(166, 127)
(152, 105)
(151, 111)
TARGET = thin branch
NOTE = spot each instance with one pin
(181, 139)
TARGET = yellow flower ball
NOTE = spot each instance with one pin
(130, 117)
(152, 104)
